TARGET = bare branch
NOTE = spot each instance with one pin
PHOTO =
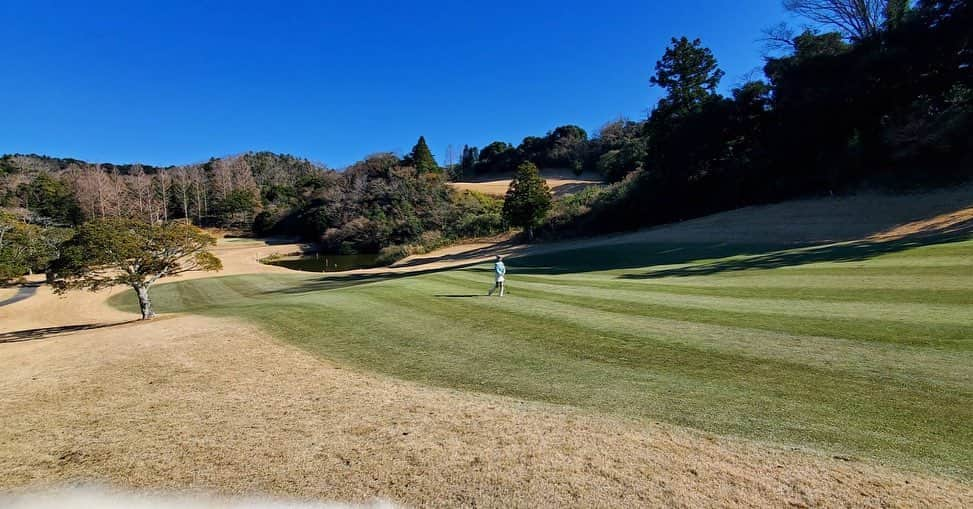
(779, 37)
(856, 19)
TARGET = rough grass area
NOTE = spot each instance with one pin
(562, 182)
(860, 349)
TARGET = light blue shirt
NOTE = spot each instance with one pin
(500, 269)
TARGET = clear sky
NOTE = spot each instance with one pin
(177, 82)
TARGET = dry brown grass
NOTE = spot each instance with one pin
(947, 222)
(196, 403)
(561, 182)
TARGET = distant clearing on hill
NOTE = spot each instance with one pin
(561, 182)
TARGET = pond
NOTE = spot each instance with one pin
(328, 262)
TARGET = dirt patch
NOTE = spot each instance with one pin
(197, 403)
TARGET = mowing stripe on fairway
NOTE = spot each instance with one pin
(870, 357)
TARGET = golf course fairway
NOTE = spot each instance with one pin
(860, 350)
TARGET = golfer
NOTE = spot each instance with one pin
(500, 271)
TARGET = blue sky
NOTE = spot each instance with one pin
(177, 82)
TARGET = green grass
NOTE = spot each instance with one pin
(854, 349)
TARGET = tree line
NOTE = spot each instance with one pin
(224, 192)
(874, 92)
(401, 205)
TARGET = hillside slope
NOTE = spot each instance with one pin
(868, 215)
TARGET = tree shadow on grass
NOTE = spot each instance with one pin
(24, 292)
(338, 281)
(631, 256)
(46, 332)
(703, 259)
(845, 252)
(493, 249)
(699, 259)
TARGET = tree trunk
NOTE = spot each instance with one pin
(530, 234)
(144, 303)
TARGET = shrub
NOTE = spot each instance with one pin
(391, 254)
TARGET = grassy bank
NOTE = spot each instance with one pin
(856, 350)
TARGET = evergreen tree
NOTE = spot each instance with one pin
(421, 157)
(895, 12)
(689, 73)
(528, 199)
(469, 159)
(688, 120)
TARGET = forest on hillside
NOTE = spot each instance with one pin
(873, 93)
(373, 204)
(876, 92)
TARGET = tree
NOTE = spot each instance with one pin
(134, 253)
(495, 157)
(894, 12)
(685, 123)
(689, 73)
(565, 147)
(238, 208)
(163, 178)
(25, 247)
(50, 197)
(421, 157)
(855, 19)
(528, 199)
(182, 178)
(13, 247)
(200, 191)
(450, 156)
(471, 155)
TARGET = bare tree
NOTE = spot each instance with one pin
(199, 187)
(163, 179)
(242, 176)
(779, 37)
(182, 182)
(222, 177)
(100, 181)
(93, 187)
(856, 19)
(140, 190)
(121, 205)
(450, 156)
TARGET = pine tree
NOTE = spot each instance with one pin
(689, 73)
(528, 199)
(421, 157)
